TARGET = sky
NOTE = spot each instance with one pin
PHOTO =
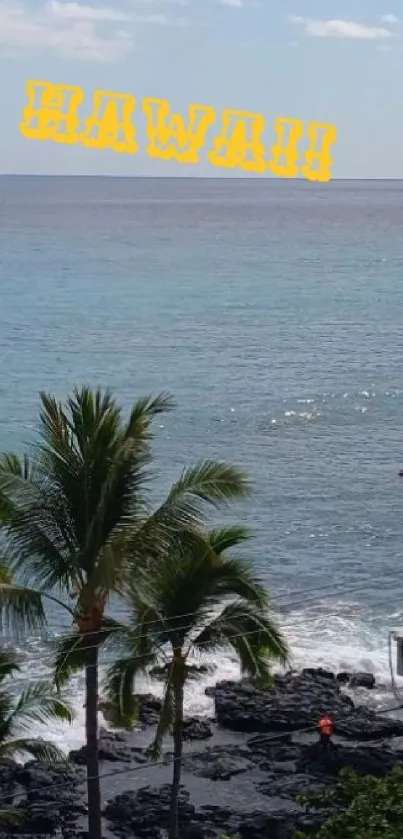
(335, 61)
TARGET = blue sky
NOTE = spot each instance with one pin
(338, 61)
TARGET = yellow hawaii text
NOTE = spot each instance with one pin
(52, 113)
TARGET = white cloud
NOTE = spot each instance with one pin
(103, 14)
(341, 29)
(77, 30)
(235, 4)
(389, 19)
(23, 28)
(160, 19)
(92, 14)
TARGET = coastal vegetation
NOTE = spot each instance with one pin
(78, 529)
(363, 807)
(37, 703)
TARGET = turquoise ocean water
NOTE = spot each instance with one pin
(272, 311)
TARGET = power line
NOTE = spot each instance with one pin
(151, 764)
(140, 657)
(332, 588)
(291, 605)
(50, 659)
(111, 631)
(26, 680)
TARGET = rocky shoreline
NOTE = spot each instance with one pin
(241, 771)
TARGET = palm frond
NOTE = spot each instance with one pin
(35, 520)
(142, 644)
(99, 465)
(109, 571)
(144, 411)
(72, 649)
(146, 630)
(20, 608)
(38, 749)
(39, 703)
(119, 684)
(187, 588)
(122, 496)
(15, 478)
(36, 547)
(118, 688)
(10, 663)
(193, 673)
(92, 416)
(252, 635)
(174, 589)
(71, 656)
(236, 577)
(165, 719)
(222, 539)
(210, 483)
(78, 444)
(210, 576)
(6, 710)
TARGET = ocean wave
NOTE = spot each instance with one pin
(338, 635)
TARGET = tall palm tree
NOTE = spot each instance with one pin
(75, 515)
(38, 703)
(199, 599)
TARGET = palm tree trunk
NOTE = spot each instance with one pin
(178, 748)
(91, 731)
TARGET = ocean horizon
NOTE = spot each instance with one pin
(271, 311)
(228, 177)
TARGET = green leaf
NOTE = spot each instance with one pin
(165, 719)
(72, 649)
(212, 482)
(21, 608)
(363, 807)
(38, 749)
(119, 683)
(174, 602)
(10, 663)
(38, 703)
(224, 538)
(252, 635)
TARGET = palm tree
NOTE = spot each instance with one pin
(199, 599)
(76, 516)
(38, 703)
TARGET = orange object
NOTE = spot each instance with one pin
(326, 726)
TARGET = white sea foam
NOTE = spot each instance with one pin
(337, 636)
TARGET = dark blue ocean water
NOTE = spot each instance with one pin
(272, 311)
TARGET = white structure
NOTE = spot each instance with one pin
(398, 637)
